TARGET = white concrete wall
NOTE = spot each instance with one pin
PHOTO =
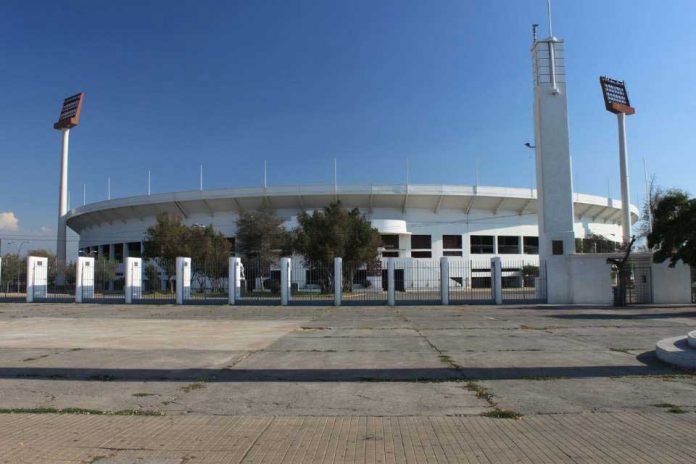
(590, 279)
(671, 285)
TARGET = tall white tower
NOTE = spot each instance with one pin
(553, 165)
(69, 117)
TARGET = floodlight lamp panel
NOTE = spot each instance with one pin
(70, 112)
(615, 96)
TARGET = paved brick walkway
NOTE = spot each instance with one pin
(569, 438)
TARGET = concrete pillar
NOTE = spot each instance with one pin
(126, 251)
(234, 289)
(553, 166)
(285, 281)
(84, 278)
(37, 278)
(133, 273)
(112, 256)
(338, 281)
(444, 280)
(391, 284)
(497, 279)
(183, 279)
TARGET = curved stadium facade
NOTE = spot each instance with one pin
(418, 221)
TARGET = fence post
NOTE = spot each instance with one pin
(84, 278)
(497, 280)
(391, 287)
(234, 280)
(37, 277)
(285, 289)
(338, 281)
(133, 279)
(444, 280)
(183, 279)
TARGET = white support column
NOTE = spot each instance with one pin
(625, 192)
(183, 279)
(61, 246)
(133, 270)
(391, 287)
(338, 281)
(444, 280)
(84, 279)
(235, 280)
(497, 280)
(37, 278)
(285, 281)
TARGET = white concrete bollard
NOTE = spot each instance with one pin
(497, 279)
(338, 281)
(134, 279)
(234, 290)
(285, 281)
(391, 284)
(183, 279)
(444, 280)
(84, 279)
(37, 278)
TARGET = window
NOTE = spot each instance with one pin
(390, 242)
(531, 245)
(452, 242)
(508, 245)
(134, 249)
(421, 254)
(390, 254)
(420, 242)
(452, 253)
(420, 246)
(482, 244)
(118, 251)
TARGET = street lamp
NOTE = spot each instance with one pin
(616, 101)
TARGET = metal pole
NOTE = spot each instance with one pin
(84, 194)
(265, 178)
(201, 186)
(648, 196)
(148, 182)
(625, 197)
(108, 188)
(61, 246)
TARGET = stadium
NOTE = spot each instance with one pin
(469, 224)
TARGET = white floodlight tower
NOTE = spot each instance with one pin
(69, 117)
(616, 101)
(553, 164)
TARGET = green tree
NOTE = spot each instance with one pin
(104, 272)
(336, 232)
(209, 252)
(14, 272)
(673, 236)
(261, 236)
(165, 241)
(152, 275)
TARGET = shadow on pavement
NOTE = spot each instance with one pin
(651, 367)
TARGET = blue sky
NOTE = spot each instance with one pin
(173, 84)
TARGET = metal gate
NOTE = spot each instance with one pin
(637, 283)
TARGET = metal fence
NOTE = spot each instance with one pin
(108, 283)
(637, 283)
(470, 282)
(523, 281)
(311, 283)
(417, 281)
(365, 284)
(209, 282)
(260, 283)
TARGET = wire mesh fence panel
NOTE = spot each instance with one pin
(157, 287)
(637, 284)
(417, 280)
(65, 292)
(523, 281)
(260, 283)
(469, 282)
(209, 282)
(13, 281)
(108, 282)
(311, 282)
(365, 284)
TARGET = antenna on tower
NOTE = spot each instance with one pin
(548, 10)
(534, 32)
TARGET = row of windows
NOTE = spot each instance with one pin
(421, 245)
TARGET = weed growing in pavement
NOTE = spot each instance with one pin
(141, 394)
(673, 408)
(480, 391)
(193, 386)
(502, 414)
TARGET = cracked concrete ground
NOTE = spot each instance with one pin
(334, 361)
(422, 363)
